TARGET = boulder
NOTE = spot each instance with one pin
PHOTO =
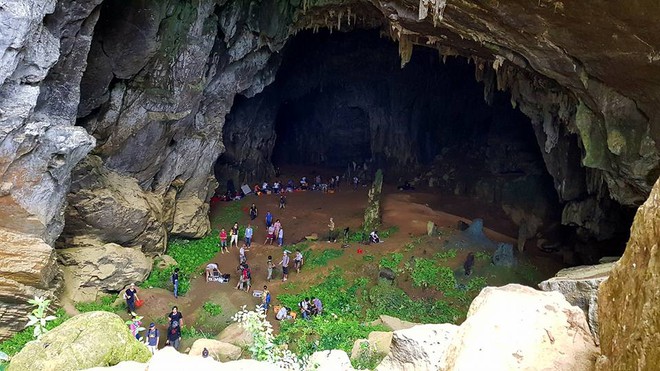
(387, 274)
(543, 332)
(235, 334)
(579, 285)
(503, 255)
(419, 348)
(28, 268)
(191, 218)
(164, 261)
(108, 267)
(393, 323)
(330, 360)
(381, 341)
(312, 237)
(218, 350)
(431, 228)
(169, 359)
(86, 340)
(628, 301)
(360, 347)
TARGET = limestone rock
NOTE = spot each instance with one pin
(235, 334)
(387, 273)
(169, 359)
(360, 348)
(112, 208)
(330, 360)
(165, 261)
(629, 302)
(191, 218)
(393, 323)
(381, 341)
(312, 237)
(28, 268)
(543, 333)
(579, 285)
(218, 350)
(86, 340)
(431, 228)
(108, 267)
(419, 348)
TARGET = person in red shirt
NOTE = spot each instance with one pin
(223, 241)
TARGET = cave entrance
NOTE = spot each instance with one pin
(343, 101)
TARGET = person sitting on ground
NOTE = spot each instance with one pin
(253, 212)
(276, 187)
(298, 261)
(318, 305)
(283, 313)
(303, 183)
(304, 308)
(209, 270)
(265, 187)
(257, 190)
(373, 237)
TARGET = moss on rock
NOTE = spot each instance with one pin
(87, 340)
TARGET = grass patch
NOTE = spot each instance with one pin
(212, 308)
(190, 256)
(321, 259)
(388, 232)
(189, 332)
(15, 343)
(447, 254)
(106, 303)
(368, 258)
(231, 213)
(391, 261)
(427, 273)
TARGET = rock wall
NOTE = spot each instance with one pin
(629, 300)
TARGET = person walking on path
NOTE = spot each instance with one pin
(265, 299)
(175, 282)
(131, 296)
(248, 235)
(285, 265)
(234, 235)
(153, 336)
(175, 319)
(223, 241)
(269, 219)
(253, 212)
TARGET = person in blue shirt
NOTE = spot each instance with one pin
(269, 219)
(248, 235)
(153, 336)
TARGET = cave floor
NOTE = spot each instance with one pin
(309, 212)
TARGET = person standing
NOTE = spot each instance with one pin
(153, 336)
(356, 181)
(280, 237)
(282, 201)
(223, 241)
(253, 212)
(175, 282)
(130, 295)
(234, 235)
(298, 261)
(248, 235)
(285, 265)
(270, 267)
(331, 230)
(269, 219)
(265, 299)
(241, 255)
(270, 235)
(175, 319)
(277, 226)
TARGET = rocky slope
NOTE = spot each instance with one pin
(145, 87)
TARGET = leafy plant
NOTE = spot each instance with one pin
(477, 283)
(39, 317)
(389, 231)
(15, 343)
(427, 273)
(368, 258)
(447, 254)
(322, 259)
(106, 303)
(391, 261)
(189, 332)
(482, 255)
(212, 308)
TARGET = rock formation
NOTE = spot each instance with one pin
(146, 87)
(628, 301)
(87, 340)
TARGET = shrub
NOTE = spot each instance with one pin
(212, 308)
(106, 303)
(426, 273)
(15, 343)
(391, 261)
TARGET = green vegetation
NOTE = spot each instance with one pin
(412, 244)
(388, 232)
(368, 258)
(231, 213)
(189, 332)
(190, 256)
(427, 273)
(106, 303)
(391, 261)
(447, 254)
(212, 308)
(482, 255)
(367, 359)
(15, 343)
(314, 259)
(477, 283)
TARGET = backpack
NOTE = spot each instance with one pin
(247, 274)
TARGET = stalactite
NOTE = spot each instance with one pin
(405, 49)
(438, 7)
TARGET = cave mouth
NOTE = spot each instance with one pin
(342, 101)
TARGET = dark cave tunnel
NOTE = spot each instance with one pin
(340, 98)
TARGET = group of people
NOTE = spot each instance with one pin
(307, 307)
(152, 336)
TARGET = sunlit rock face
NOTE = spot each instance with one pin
(146, 86)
